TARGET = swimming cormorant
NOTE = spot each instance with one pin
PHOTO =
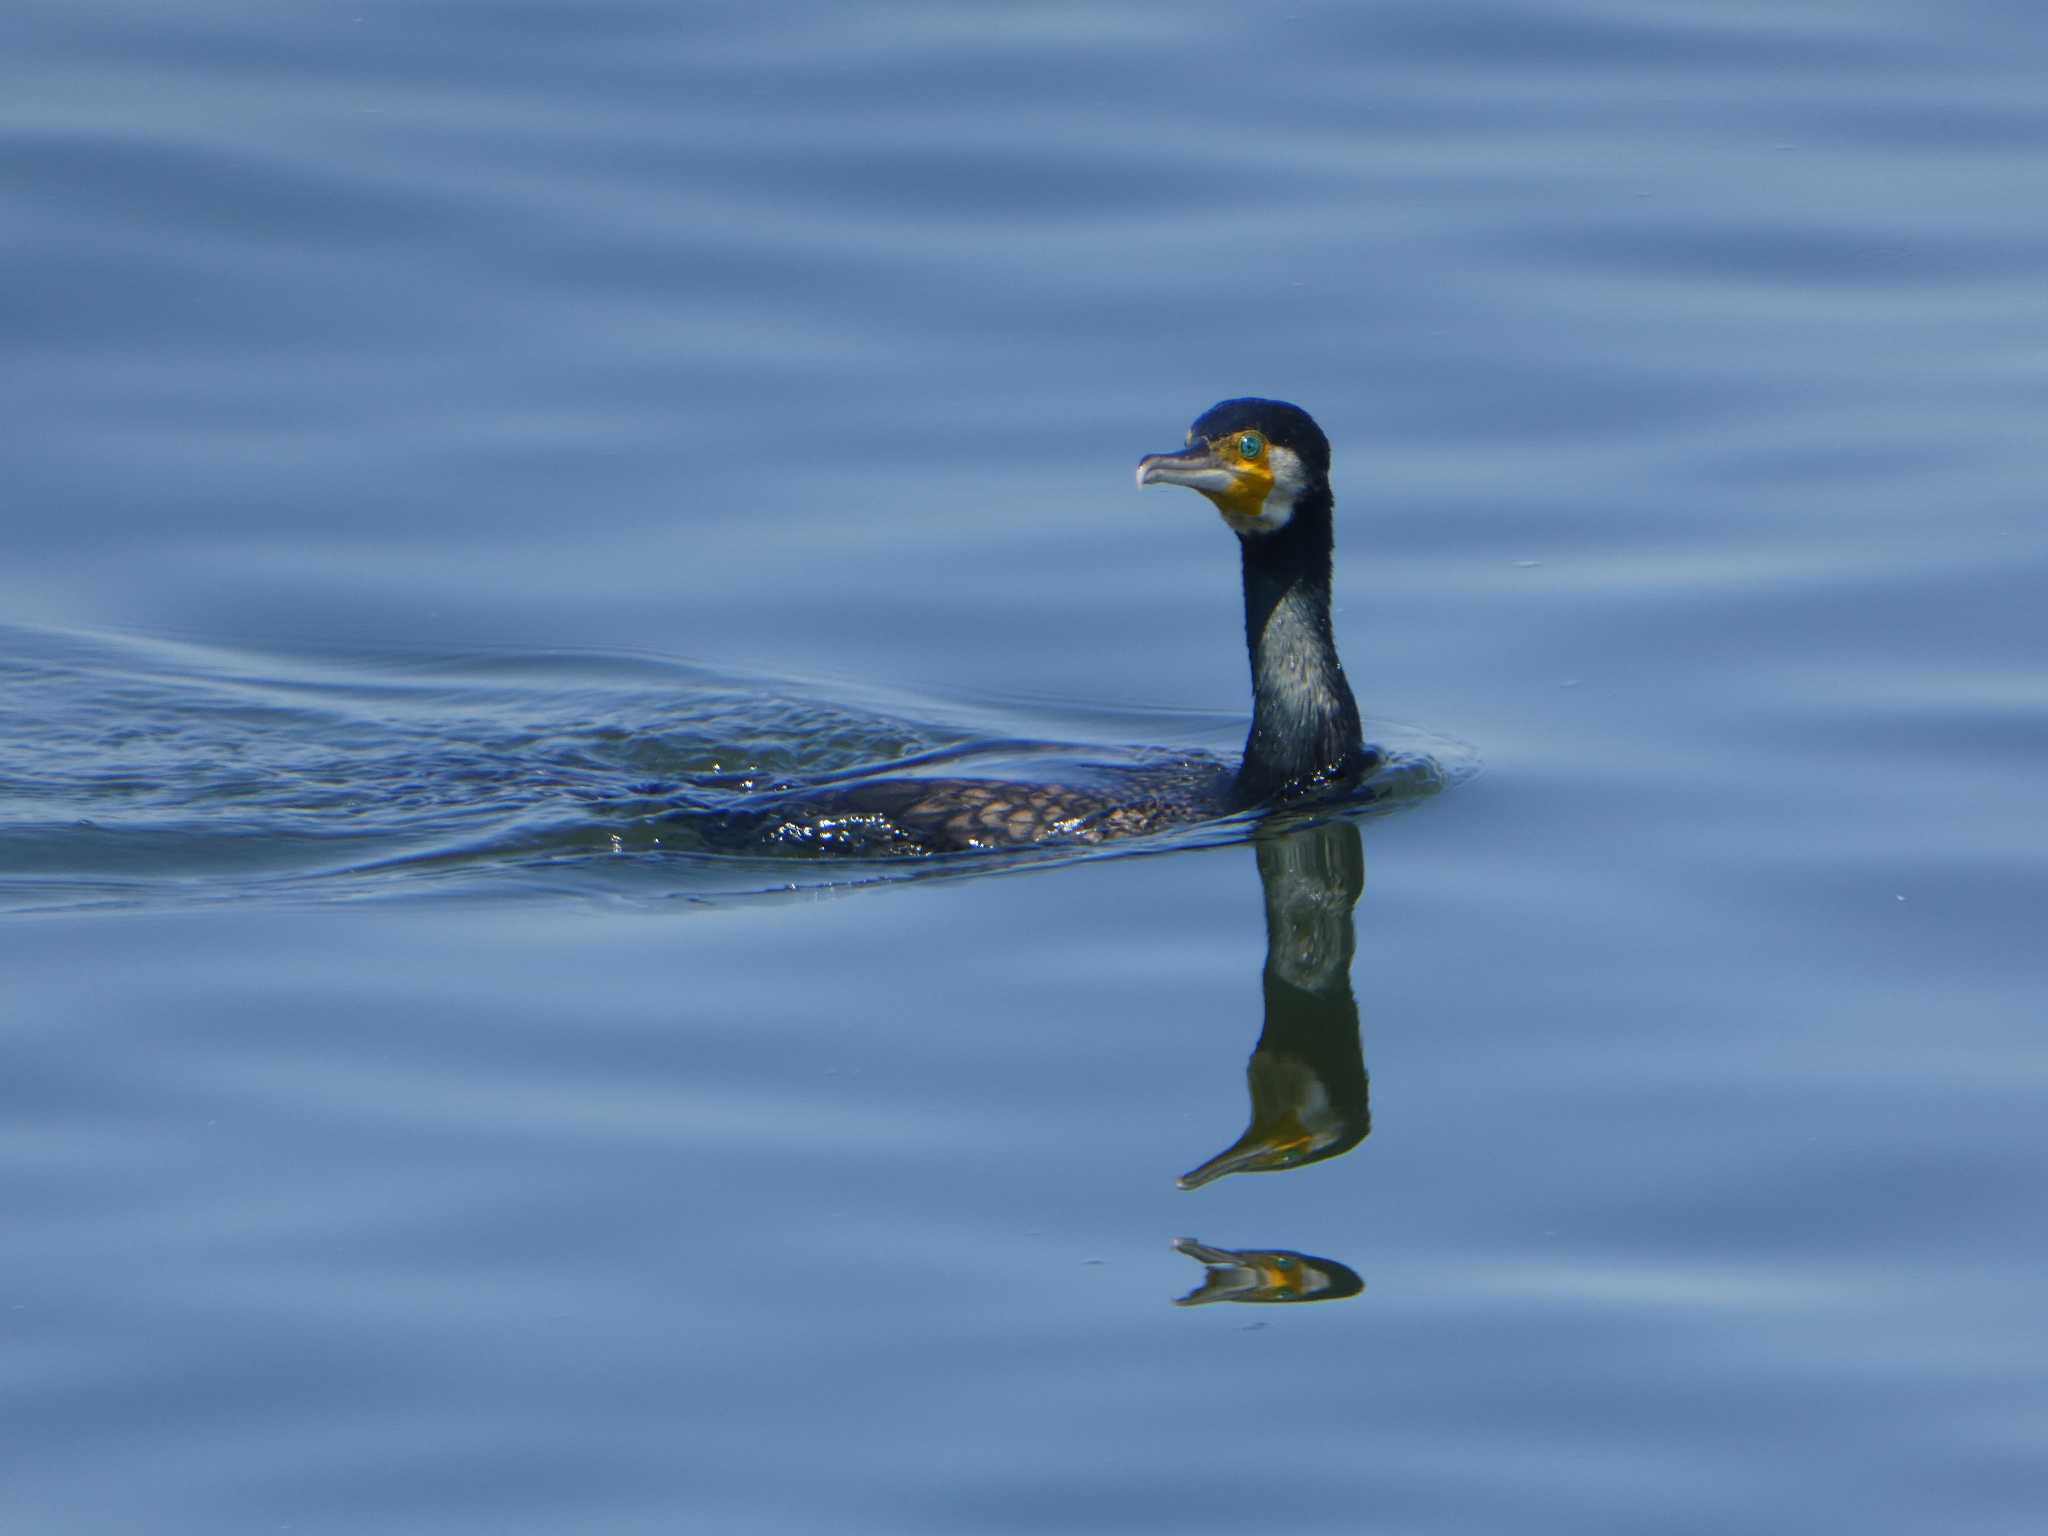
(1265, 465)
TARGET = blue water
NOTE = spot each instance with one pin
(427, 422)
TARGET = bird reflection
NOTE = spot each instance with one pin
(1307, 1074)
(1265, 1275)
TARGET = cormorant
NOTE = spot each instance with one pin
(1265, 465)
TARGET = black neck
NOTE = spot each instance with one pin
(1305, 727)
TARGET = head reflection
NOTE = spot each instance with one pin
(1307, 1074)
(1265, 1275)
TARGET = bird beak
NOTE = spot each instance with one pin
(1199, 468)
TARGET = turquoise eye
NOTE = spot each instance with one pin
(1250, 446)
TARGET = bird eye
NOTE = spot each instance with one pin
(1250, 446)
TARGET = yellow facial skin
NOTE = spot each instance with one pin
(1234, 472)
(1246, 498)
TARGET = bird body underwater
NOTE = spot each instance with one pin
(1265, 465)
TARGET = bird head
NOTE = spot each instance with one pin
(1257, 460)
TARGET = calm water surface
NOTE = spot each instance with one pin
(429, 422)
